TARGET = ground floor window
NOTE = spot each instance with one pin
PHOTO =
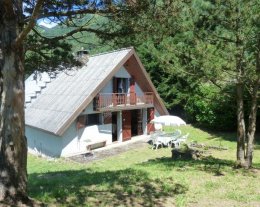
(94, 119)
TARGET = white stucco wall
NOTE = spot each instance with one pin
(40, 142)
(96, 133)
(89, 109)
(46, 144)
(108, 88)
(122, 73)
(72, 142)
(144, 121)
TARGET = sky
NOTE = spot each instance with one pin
(46, 23)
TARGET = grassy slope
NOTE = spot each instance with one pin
(144, 177)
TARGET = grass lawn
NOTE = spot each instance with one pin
(146, 177)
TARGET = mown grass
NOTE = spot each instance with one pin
(146, 177)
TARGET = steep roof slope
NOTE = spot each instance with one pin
(66, 97)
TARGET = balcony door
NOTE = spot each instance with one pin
(120, 85)
(120, 89)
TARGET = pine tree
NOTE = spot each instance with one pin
(19, 36)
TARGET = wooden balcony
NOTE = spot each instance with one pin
(115, 101)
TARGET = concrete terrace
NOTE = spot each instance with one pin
(112, 149)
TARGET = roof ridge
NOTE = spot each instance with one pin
(112, 51)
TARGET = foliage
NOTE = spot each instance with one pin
(211, 108)
(205, 42)
(48, 55)
(87, 40)
(180, 62)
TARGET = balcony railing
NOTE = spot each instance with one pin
(111, 100)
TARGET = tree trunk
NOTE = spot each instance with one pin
(253, 112)
(240, 127)
(251, 128)
(13, 146)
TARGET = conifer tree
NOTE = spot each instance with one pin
(19, 37)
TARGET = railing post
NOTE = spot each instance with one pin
(132, 98)
(114, 99)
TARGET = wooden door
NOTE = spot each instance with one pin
(126, 125)
(150, 116)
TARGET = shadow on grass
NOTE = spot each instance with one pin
(208, 164)
(108, 188)
(228, 136)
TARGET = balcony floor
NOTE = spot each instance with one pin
(122, 107)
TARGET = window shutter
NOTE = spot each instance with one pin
(115, 89)
(107, 117)
(81, 122)
(132, 85)
(132, 92)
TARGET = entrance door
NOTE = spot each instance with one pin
(134, 123)
(114, 127)
(126, 125)
(137, 122)
(150, 116)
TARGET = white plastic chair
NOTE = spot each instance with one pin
(155, 142)
(177, 143)
(174, 137)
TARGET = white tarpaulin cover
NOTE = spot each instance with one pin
(168, 120)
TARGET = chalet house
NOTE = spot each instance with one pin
(109, 99)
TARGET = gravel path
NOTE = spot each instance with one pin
(100, 154)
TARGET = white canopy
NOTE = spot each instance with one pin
(168, 120)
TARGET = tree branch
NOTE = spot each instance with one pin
(31, 23)
(69, 34)
(78, 12)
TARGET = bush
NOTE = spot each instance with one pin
(212, 109)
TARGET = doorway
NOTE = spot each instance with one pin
(137, 122)
(114, 127)
(126, 125)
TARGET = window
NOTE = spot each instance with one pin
(122, 85)
(93, 119)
